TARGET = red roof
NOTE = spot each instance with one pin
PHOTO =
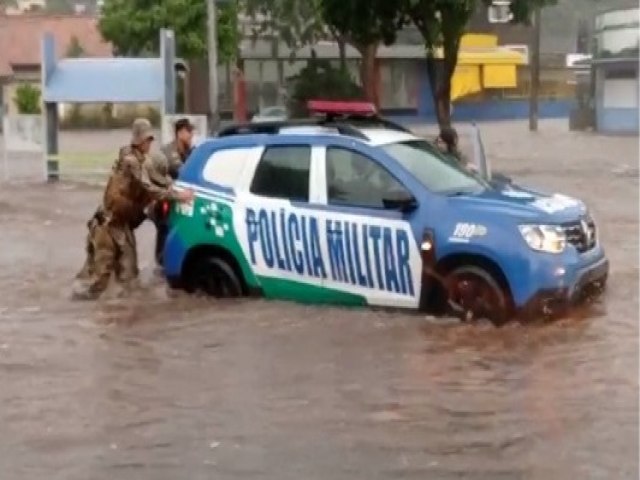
(21, 38)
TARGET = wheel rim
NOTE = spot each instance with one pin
(472, 298)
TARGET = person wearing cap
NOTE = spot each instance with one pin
(178, 150)
(175, 154)
(129, 192)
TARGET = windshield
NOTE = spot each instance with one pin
(434, 170)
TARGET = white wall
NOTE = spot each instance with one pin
(620, 93)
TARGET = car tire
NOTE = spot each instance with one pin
(213, 276)
(474, 294)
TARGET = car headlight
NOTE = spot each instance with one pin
(544, 238)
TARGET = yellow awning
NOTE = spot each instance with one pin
(483, 49)
(499, 56)
(482, 64)
(499, 76)
(465, 81)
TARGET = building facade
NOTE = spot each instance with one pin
(615, 70)
(404, 87)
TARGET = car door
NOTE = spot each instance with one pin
(371, 250)
(280, 239)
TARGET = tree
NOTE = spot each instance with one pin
(297, 23)
(132, 26)
(320, 80)
(442, 23)
(365, 24)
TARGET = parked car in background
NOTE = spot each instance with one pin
(271, 114)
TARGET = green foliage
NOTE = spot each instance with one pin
(364, 22)
(320, 80)
(295, 22)
(103, 118)
(133, 26)
(27, 99)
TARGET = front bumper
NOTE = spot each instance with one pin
(590, 282)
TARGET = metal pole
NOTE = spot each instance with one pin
(53, 165)
(535, 72)
(212, 44)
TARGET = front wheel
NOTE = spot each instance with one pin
(213, 276)
(473, 294)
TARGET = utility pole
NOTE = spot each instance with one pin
(212, 45)
(535, 71)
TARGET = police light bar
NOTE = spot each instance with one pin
(340, 108)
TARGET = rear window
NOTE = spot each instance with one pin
(283, 172)
(225, 167)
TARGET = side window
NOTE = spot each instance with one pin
(283, 172)
(353, 179)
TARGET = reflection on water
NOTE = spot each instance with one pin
(190, 388)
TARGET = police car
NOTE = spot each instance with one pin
(351, 209)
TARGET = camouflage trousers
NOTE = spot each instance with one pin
(110, 249)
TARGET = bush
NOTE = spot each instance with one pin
(103, 118)
(27, 99)
(320, 80)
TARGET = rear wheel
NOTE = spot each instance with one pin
(213, 276)
(473, 294)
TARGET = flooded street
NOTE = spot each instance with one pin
(167, 386)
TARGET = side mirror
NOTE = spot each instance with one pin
(402, 201)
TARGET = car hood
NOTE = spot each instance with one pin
(522, 204)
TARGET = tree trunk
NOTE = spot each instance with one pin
(368, 72)
(440, 73)
(342, 49)
(438, 91)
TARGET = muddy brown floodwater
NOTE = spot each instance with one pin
(174, 387)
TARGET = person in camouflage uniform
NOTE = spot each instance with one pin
(159, 175)
(94, 222)
(129, 192)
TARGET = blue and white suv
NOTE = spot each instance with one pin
(369, 214)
